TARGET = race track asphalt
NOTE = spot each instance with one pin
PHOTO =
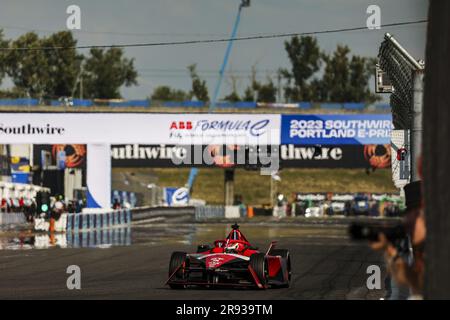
(325, 265)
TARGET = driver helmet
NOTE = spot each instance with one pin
(234, 247)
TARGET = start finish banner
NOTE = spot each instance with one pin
(336, 129)
(146, 128)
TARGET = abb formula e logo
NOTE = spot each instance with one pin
(254, 128)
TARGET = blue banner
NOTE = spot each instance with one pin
(336, 129)
(176, 196)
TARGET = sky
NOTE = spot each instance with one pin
(136, 21)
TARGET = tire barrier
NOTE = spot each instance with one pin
(12, 218)
(97, 220)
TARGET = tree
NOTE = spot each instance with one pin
(28, 69)
(233, 96)
(3, 44)
(106, 71)
(361, 71)
(53, 73)
(336, 75)
(346, 80)
(260, 92)
(199, 88)
(43, 73)
(305, 57)
(249, 94)
(63, 65)
(267, 92)
(165, 93)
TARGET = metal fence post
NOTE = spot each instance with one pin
(416, 123)
(406, 76)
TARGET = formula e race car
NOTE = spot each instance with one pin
(231, 262)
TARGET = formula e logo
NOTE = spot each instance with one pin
(187, 125)
(228, 126)
(180, 196)
(214, 262)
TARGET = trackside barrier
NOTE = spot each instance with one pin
(331, 106)
(72, 102)
(184, 104)
(97, 220)
(19, 102)
(238, 104)
(354, 106)
(300, 105)
(119, 236)
(12, 218)
(150, 213)
(304, 105)
(208, 212)
(130, 103)
(232, 212)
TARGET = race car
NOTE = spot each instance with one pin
(231, 262)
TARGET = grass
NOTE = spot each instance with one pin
(255, 188)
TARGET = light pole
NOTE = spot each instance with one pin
(243, 4)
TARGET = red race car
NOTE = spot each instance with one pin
(232, 262)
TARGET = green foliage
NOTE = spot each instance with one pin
(232, 97)
(260, 92)
(313, 75)
(54, 73)
(42, 73)
(304, 55)
(13, 93)
(199, 88)
(165, 93)
(105, 71)
(344, 79)
(3, 43)
(249, 95)
(62, 65)
(267, 92)
(28, 69)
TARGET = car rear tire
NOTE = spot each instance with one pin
(176, 260)
(284, 253)
(259, 266)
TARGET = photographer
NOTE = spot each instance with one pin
(407, 270)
